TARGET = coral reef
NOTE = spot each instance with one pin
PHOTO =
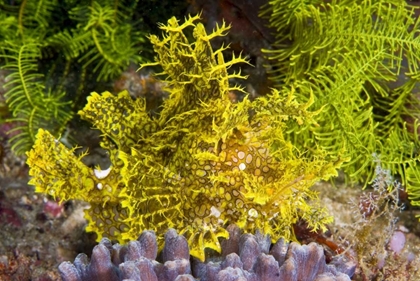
(377, 242)
(192, 152)
(33, 241)
(255, 259)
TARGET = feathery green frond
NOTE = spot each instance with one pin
(32, 105)
(113, 44)
(8, 23)
(94, 39)
(34, 17)
(71, 43)
(102, 40)
(360, 61)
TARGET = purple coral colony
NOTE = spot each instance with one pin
(245, 257)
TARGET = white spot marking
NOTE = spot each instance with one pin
(101, 174)
(215, 212)
(253, 213)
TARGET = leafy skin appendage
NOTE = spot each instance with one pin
(199, 165)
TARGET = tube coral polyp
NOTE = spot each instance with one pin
(202, 163)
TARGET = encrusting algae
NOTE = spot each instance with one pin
(200, 164)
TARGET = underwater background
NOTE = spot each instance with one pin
(209, 140)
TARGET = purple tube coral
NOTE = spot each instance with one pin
(245, 257)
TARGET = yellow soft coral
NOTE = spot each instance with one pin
(202, 163)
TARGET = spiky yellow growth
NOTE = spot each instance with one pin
(202, 163)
